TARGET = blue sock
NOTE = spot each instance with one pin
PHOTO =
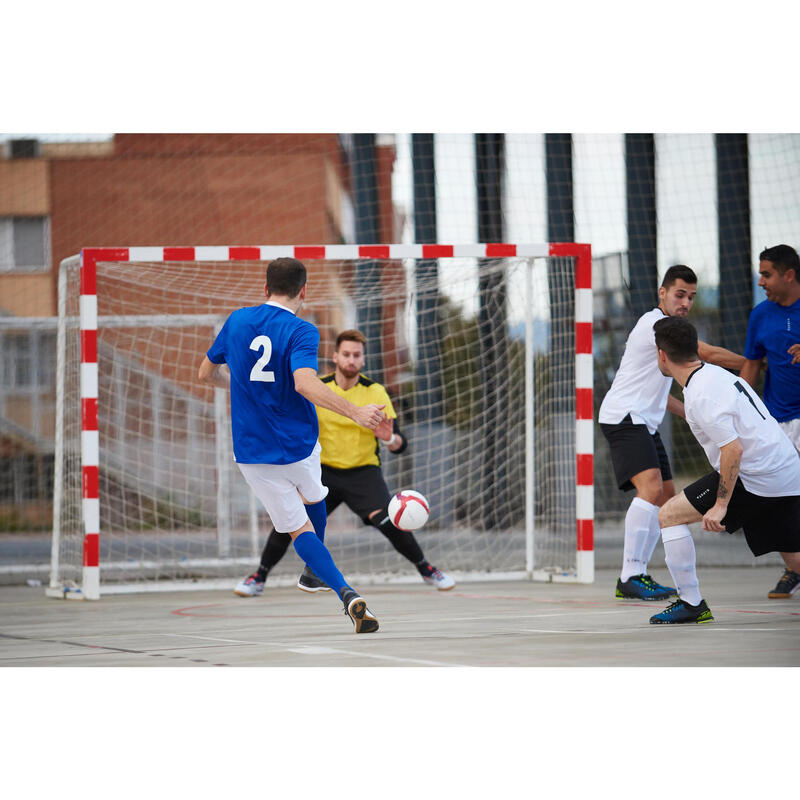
(316, 555)
(319, 518)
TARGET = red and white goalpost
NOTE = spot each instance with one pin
(148, 372)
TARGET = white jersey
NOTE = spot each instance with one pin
(721, 407)
(639, 388)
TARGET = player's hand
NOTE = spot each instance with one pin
(712, 521)
(794, 351)
(369, 416)
(385, 430)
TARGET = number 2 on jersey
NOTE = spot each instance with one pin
(259, 371)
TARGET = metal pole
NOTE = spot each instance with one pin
(640, 182)
(222, 453)
(58, 466)
(368, 274)
(493, 324)
(733, 220)
(428, 369)
(530, 443)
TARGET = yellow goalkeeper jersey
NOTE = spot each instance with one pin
(345, 444)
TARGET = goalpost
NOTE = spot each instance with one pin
(486, 350)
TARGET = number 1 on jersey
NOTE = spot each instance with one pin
(259, 371)
(744, 391)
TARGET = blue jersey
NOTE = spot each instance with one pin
(263, 345)
(772, 330)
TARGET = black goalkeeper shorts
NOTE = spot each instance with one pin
(362, 489)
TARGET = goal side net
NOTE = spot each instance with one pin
(485, 350)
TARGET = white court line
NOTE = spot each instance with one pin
(710, 627)
(311, 650)
(501, 615)
(596, 633)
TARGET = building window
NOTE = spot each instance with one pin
(24, 244)
(28, 360)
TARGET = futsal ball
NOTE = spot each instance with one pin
(408, 510)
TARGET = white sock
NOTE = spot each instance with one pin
(639, 521)
(653, 538)
(681, 561)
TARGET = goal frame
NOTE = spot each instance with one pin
(88, 324)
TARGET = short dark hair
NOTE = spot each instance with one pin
(286, 276)
(351, 335)
(782, 257)
(677, 337)
(679, 272)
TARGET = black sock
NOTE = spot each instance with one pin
(274, 550)
(402, 541)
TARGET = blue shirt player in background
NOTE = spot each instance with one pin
(773, 332)
(272, 360)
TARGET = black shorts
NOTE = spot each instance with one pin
(633, 450)
(362, 489)
(770, 524)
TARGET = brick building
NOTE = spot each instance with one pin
(147, 189)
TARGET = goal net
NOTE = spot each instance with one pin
(484, 349)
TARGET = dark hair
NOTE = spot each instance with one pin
(782, 257)
(351, 335)
(679, 272)
(286, 276)
(677, 337)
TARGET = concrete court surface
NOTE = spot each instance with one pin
(478, 624)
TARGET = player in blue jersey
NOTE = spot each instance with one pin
(773, 332)
(272, 360)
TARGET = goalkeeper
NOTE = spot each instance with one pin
(351, 471)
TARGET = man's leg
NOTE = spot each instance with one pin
(317, 556)
(667, 492)
(407, 545)
(318, 514)
(681, 562)
(789, 582)
(640, 519)
(641, 533)
(275, 549)
(679, 546)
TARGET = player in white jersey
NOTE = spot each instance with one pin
(755, 484)
(629, 417)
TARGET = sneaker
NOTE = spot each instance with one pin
(643, 587)
(309, 582)
(787, 586)
(250, 586)
(356, 608)
(680, 612)
(441, 580)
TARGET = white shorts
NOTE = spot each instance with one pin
(792, 429)
(279, 488)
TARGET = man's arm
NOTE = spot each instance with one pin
(314, 390)
(719, 356)
(750, 370)
(730, 459)
(794, 352)
(211, 374)
(675, 406)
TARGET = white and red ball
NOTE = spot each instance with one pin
(409, 510)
